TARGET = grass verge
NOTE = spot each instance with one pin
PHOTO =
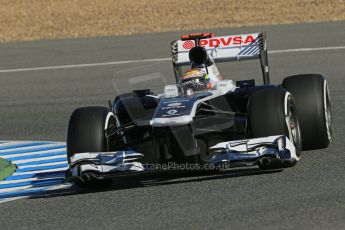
(52, 19)
(6, 169)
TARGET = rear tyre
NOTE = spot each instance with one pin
(311, 95)
(272, 111)
(86, 133)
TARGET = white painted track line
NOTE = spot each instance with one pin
(306, 49)
(47, 146)
(48, 188)
(41, 165)
(153, 60)
(6, 182)
(82, 65)
(37, 159)
(40, 171)
(17, 189)
(42, 152)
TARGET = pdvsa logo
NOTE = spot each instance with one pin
(221, 41)
(188, 44)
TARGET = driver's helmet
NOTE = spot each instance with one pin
(195, 80)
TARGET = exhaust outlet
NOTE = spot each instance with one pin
(88, 177)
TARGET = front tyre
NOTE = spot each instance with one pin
(86, 133)
(311, 95)
(272, 111)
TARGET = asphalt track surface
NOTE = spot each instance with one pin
(35, 105)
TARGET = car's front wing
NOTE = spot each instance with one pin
(256, 151)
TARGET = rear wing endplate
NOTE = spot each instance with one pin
(224, 49)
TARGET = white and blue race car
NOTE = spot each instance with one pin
(202, 121)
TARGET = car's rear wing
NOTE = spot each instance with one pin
(222, 49)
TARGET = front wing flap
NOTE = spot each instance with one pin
(252, 151)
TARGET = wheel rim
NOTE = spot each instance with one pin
(110, 125)
(328, 117)
(293, 127)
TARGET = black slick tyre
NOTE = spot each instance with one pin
(272, 111)
(311, 95)
(86, 133)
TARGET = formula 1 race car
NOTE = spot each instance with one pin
(202, 121)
